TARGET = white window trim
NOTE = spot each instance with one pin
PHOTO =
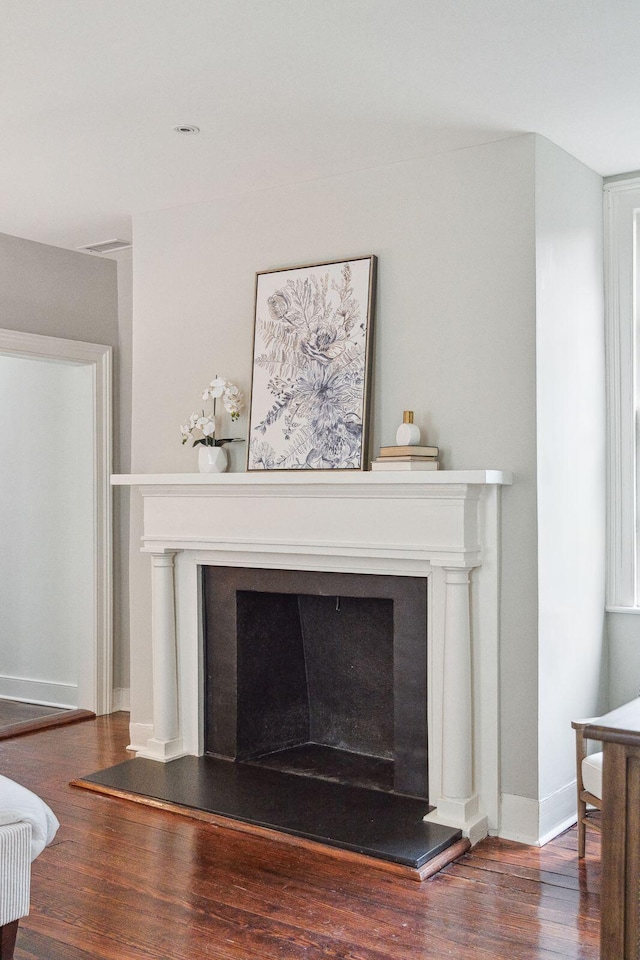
(622, 223)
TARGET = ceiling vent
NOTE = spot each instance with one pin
(107, 246)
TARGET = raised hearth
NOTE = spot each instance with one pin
(367, 823)
(440, 527)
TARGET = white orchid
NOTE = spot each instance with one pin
(205, 425)
(216, 388)
(232, 399)
(187, 428)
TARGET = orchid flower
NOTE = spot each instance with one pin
(215, 389)
(202, 428)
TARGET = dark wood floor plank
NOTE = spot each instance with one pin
(529, 888)
(524, 901)
(125, 882)
(569, 881)
(559, 917)
(559, 859)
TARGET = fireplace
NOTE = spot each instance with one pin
(318, 674)
(440, 529)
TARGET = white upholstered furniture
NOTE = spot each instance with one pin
(589, 782)
(27, 826)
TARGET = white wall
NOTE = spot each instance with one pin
(46, 518)
(572, 664)
(624, 657)
(59, 293)
(623, 257)
(455, 342)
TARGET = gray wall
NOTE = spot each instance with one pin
(57, 293)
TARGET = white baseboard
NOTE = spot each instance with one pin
(39, 691)
(558, 812)
(536, 822)
(121, 699)
(139, 733)
(559, 828)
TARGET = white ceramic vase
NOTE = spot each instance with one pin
(212, 459)
(408, 434)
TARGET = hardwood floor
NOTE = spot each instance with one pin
(18, 718)
(127, 882)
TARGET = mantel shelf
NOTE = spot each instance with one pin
(316, 478)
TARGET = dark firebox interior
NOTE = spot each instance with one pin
(318, 674)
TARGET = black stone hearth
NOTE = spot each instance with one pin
(369, 822)
(318, 674)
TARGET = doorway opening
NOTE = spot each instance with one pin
(55, 580)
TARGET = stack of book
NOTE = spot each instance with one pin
(413, 457)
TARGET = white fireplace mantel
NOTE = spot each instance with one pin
(313, 478)
(440, 525)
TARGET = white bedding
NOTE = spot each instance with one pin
(19, 805)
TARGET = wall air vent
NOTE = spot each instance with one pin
(107, 246)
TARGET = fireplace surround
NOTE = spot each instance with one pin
(441, 527)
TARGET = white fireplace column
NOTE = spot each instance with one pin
(458, 805)
(166, 743)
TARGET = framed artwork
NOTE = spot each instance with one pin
(312, 349)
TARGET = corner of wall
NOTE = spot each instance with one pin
(571, 446)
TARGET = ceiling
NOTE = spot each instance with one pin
(288, 90)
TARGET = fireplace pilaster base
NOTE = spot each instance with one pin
(163, 750)
(464, 814)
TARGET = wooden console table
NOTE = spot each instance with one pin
(619, 732)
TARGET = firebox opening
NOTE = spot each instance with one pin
(318, 674)
(315, 685)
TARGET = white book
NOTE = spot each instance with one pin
(405, 465)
